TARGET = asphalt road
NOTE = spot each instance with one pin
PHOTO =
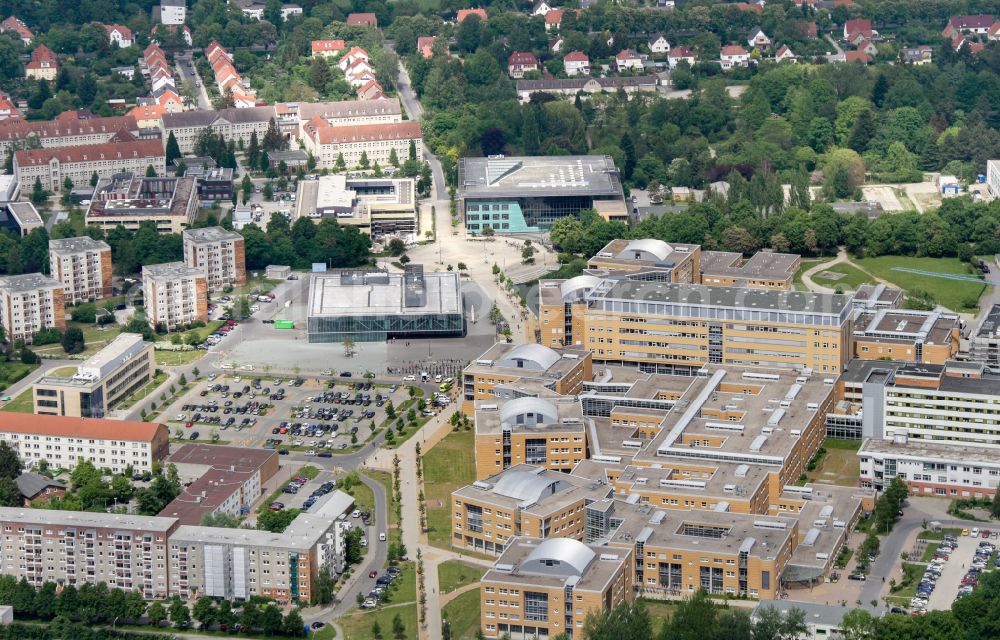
(414, 111)
(191, 74)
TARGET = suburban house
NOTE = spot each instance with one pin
(679, 54)
(362, 20)
(425, 45)
(119, 35)
(576, 63)
(733, 56)
(993, 33)
(783, 54)
(857, 30)
(856, 56)
(23, 32)
(556, 44)
(520, 63)
(978, 25)
(541, 8)
(628, 59)
(371, 90)
(758, 39)
(327, 48)
(43, 64)
(756, 7)
(917, 55)
(553, 19)
(658, 44)
(868, 47)
(465, 13)
(352, 56)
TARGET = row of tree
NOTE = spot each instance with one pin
(94, 490)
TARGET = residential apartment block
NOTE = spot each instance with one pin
(83, 265)
(175, 295)
(504, 367)
(68, 130)
(122, 153)
(76, 548)
(376, 141)
(678, 328)
(29, 303)
(128, 199)
(109, 376)
(63, 441)
(218, 254)
(542, 588)
(233, 124)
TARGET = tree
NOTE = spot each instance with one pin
(693, 619)
(352, 546)
(204, 611)
(363, 160)
(157, 612)
(293, 624)
(393, 158)
(180, 615)
(319, 74)
(173, 151)
(858, 624)
(398, 628)
(72, 341)
(94, 179)
(325, 587)
(626, 621)
(150, 171)
(413, 149)
(273, 140)
(38, 194)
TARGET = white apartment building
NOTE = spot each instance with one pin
(76, 548)
(175, 295)
(173, 12)
(376, 141)
(64, 440)
(218, 253)
(83, 265)
(28, 303)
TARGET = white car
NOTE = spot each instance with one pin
(409, 378)
(356, 513)
(180, 416)
(381, 537)
(975, 532)
(364, 542)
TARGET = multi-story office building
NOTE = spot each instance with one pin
(109, 376)
(519, 194)
(376, 206)
(29, 303)
(677, 328)
(985, 342)
(122, 153)
(83, 265)
(872, 297)
(504, 367)
(19, 218)
(764, 270)
(174, 294)
(68, 130)
(223, 480)
(945, 470)
(540, 588)
(242, 563)
(218, 253)
(376, 141)
(232, 124)
(76, 548)
(64, 440)
(128, 199)
(524, 500)
(544, 431)
(930, 337)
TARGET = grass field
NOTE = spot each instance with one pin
(448, 466)
(358, 625)
(840, 465)
(11, 372)
(157, 380)
(453, 574)
(22, 403)
(907, 587)
(176, 358)
(462, 615)
(659, 612)
(953, 294)
(853, 277)
(805, 265)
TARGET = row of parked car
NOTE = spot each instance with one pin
(382, 583)
(980, 561)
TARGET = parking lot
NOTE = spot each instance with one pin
(954, 571)
(288, 414)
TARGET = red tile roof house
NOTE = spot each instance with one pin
(856, 56)
(576, 63)
(362, 20)
(857, 30)
(14, 24)
(521, 62)
(979, 25)
(465, 13)
(119, 35)
(327, 48)
(425, 45)
(733, 56)
(628, 59)
(553, 19)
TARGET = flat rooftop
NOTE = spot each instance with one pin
(207, 235)
(879, 295)
(538, 176)
(360, 293)
(536, 490)
(644, 253)
(554, 415)
(556, 562)
(171, 271)
(706, 531)
(86, 519)
(762, 265)
(527, 361)
(732, 297)
(990, 326)
(304, 532)
(925, 450)
(77, 245)
(28, 282)
(932, 327)
(100, 365)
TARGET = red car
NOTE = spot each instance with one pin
(373, 573)
(276, 506)
(189, 425)
(298, 479)
(985, 533)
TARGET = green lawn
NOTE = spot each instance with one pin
(804, 265)
(929, 551)
(358, 625)
(453, 574)
(953, 294)
(176, 358)
(203, 332)
(927, 534)
(404, 588)
(22, 403)
(659, 612)
(907, 587)
(853, 277)
(11, 372)
(449, 465)
(839, 465)
(462, 615)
